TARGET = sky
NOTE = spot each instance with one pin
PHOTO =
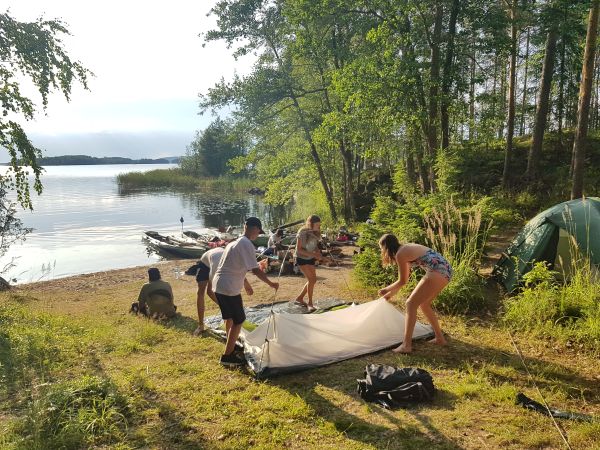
(149, 66)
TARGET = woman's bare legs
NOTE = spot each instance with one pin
(300, 297)
(310, 273)
(423, 294)
(203, 287)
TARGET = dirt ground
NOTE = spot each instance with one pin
(332, 282)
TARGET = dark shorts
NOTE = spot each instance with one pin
(305, 262)
(231, 307)
(202, 273)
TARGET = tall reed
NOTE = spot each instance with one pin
(459, 235)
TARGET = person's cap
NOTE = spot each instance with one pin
(254, 222)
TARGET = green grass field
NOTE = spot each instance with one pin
(77, 371)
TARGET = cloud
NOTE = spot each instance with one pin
(148, 60)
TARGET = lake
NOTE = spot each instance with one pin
(84, 223)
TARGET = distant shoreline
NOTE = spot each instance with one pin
(84, 160)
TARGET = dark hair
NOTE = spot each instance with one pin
(279, 232)
(153, 274)
(389, 247)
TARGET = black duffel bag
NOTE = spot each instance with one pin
(392, 387)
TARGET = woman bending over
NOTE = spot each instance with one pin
(437, 276)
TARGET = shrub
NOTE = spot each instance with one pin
(459, 233)
(562, 311)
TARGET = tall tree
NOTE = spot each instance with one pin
(512, 81)
(260, 26)
(448, 74)
(211, 150)
(543, 102)
(583, 108)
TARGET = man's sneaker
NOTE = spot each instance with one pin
(233, 359)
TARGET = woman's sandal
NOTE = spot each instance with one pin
(311, 309)
(299, 303)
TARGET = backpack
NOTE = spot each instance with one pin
(392, 387)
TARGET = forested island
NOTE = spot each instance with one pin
(85, 160)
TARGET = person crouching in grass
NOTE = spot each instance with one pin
(239, 258)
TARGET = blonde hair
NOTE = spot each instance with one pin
(310, 221)
(389, 247)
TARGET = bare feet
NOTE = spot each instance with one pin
(402, 349)
(198, 331)
(300, 303)
(438, 341)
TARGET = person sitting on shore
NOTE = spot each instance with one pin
(205, 274)
(156, 297)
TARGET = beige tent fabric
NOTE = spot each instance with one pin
(299, 341)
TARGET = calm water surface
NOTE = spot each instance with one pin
(84, 223)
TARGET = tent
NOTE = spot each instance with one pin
(287, 342)
(557, 235)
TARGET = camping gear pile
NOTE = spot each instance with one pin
(392, 387)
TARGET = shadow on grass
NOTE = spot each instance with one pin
(182, 323)
(499, 367)
(387, 430)
(460, 355)
(160, 425)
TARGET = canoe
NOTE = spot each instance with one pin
(181, 247)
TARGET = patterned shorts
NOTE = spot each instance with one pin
(433, 261)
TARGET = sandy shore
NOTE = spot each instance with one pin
(120, 287)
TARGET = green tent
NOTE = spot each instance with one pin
(557, 235)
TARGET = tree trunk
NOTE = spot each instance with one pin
(421, 169)
(543, 103)
(410, 168)
(583, 109)
(472, 97)
(510, 128)
(432, 126)
(502, 112)
(561, 92)
(494, 85)
(524, 102)
(448, 75)
(349, 207)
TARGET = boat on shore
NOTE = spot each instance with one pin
(182, 247)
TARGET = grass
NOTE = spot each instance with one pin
(78, 372)
(176, 179)
(559, 310)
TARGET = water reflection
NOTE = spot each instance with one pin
(83, 222)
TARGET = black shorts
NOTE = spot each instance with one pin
(305, 262)
(231, 307)
(202, 273)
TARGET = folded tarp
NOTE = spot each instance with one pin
(291, 342)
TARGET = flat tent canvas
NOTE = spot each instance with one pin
(290, 342)
(553, 236)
